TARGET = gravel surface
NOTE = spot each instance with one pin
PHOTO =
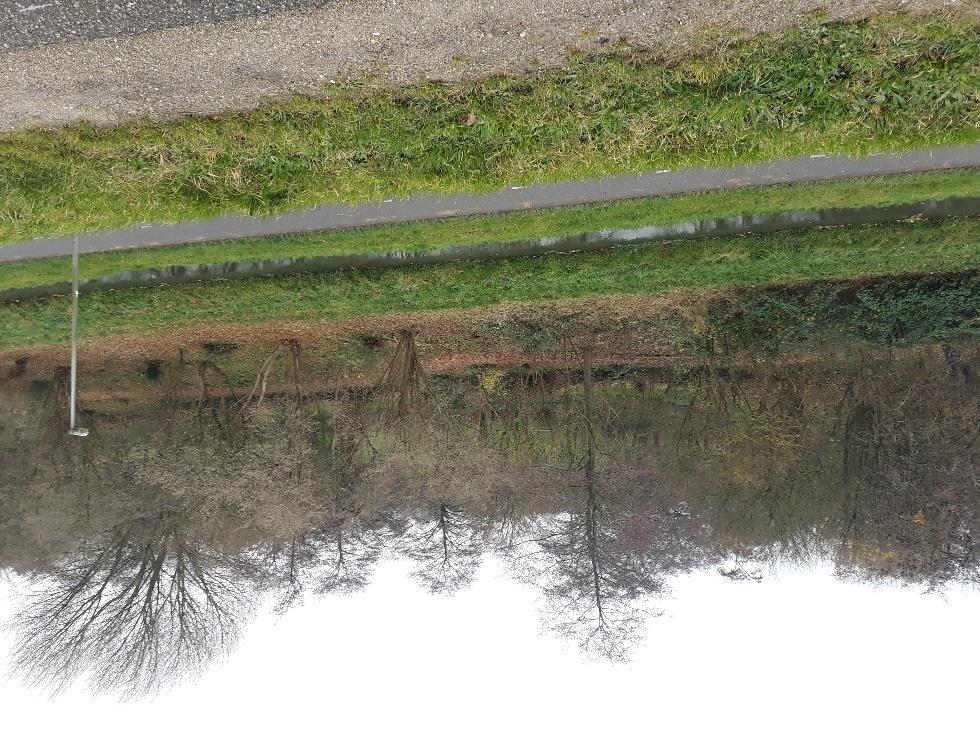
(207, 68)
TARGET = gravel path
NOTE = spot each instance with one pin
(207, 67)
(326, 217)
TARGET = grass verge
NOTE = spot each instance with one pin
(886, 84)
(784, 257)
(501, 228)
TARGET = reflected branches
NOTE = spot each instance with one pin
(142, 604)
(597, 482)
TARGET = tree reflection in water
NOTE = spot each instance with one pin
(142, 603)
(146, 551)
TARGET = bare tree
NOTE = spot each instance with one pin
(337, 558)
(445, 546)
(593, 579)
(404, 378)
(137, 607)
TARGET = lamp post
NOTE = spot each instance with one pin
(73, 399)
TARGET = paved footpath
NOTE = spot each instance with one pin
(31, 23)
(423, 207)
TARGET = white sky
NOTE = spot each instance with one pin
(804, 653)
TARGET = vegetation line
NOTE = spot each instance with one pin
(951, 245)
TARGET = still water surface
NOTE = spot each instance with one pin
(572, 540)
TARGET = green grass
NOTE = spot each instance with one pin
(785, 257)
(501, 228)
(887, 84)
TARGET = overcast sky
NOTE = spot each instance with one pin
(799, 653)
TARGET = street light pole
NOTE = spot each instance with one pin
(73, 399)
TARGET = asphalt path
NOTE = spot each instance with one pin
(31, 23)
(326, 217)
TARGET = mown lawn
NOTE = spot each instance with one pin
(782, 258)
(502, 228)
(887, 84)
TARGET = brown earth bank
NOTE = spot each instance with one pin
(662, 320)
(434, 329)
(210, 68)
(350, 354)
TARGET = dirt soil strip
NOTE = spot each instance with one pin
(325, 217)
(213, 67)
(435, 328)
